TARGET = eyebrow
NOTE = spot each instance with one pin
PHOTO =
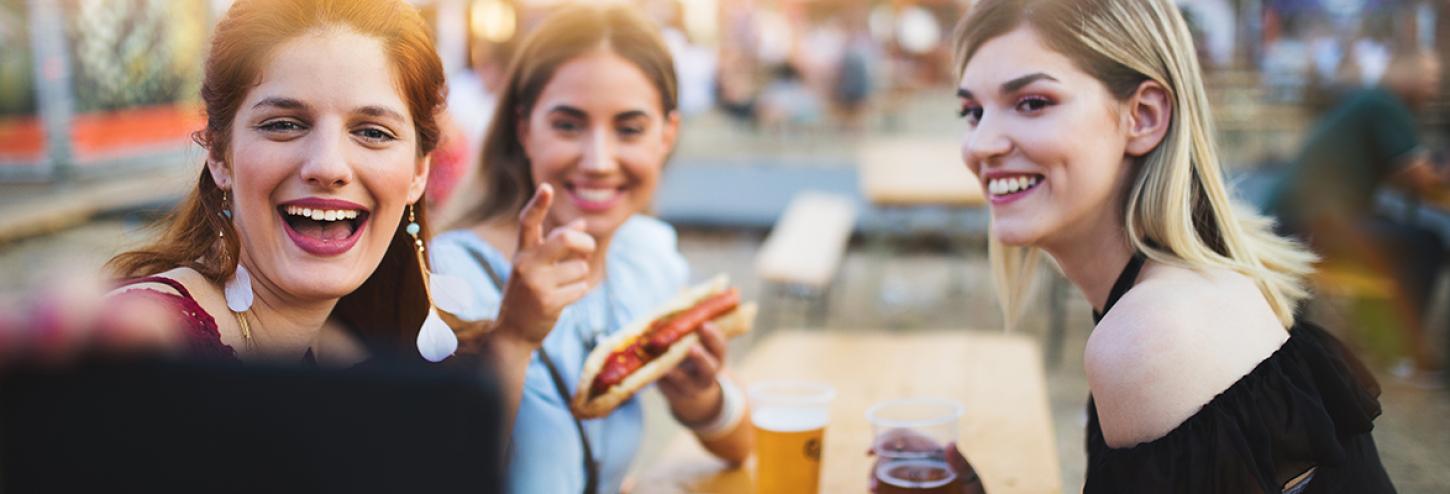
(1013, 85)
(280, 102)
(380, 112)
(569, 110)
(578, 113)
(293, 104)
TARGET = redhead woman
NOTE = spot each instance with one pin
(320, 121)
(1088, 124)
(554, 240)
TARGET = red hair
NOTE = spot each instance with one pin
(392, 300)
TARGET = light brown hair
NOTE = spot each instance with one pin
(504, 181)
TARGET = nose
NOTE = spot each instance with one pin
(326, 164)
(599, 153)
(985, 142)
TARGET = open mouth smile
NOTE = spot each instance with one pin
(323, 227)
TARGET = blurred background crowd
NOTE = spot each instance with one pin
(100, 86)
(98, 100)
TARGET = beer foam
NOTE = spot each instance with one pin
(790, 419)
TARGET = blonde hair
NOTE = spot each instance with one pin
(1178, 209)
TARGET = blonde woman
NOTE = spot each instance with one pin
(1088, 123)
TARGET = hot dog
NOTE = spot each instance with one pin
(645, 350)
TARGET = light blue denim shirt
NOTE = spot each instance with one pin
(644, 269)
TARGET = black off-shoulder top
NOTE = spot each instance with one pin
(1307, 408)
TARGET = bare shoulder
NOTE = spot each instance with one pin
(194, 282)
(202, 290)
(1171, 344)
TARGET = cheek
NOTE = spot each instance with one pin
(388, 177)
(643, 164)
(258, 177)
(548, 157)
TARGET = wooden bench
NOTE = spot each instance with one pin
(803, 251)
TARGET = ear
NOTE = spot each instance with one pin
(1150, 113)
(221, 174)
(672, 129)
(419, 183)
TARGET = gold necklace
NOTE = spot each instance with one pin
(246, 329)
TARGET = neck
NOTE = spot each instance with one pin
(1093, 262)
(283, 325)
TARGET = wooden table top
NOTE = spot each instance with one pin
(918, 172)
(1006, 430)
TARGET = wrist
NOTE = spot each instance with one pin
(510, 329)
(726, 410)
(697, 407)
(507, 341)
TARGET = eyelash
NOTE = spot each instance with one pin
(570, 127)
(975, 111)
(372, 135)
(384, 136)
(277, 126)
(1039, 100)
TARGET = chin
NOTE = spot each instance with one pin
(1015, 233)
(323, 282)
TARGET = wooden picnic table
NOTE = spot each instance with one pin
(1006, 430)
(918, 172)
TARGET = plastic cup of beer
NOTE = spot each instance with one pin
(790, 419)
(911, 438)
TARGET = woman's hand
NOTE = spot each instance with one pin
(72, 317)
(691, 387)
(549, 272)
(967, 481)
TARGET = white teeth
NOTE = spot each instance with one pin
(322, 215)
(594, 195)
(1004, 186)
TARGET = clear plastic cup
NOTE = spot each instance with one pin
(911, 438)
(790, 419)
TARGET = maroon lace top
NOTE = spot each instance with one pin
(202, 338)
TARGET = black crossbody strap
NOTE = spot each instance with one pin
(591, 466)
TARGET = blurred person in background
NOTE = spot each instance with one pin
(787, 103)
(586, 120)
(1089, 126)
(1327, 196)
(321, 117)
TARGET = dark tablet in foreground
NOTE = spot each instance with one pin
(168, 426)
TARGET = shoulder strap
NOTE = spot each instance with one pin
(1125, 282)
(160, 280)
(591, 466)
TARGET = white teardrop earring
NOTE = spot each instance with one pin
(238, 289)
(448, 294)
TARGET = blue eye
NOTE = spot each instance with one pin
(375, 135)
